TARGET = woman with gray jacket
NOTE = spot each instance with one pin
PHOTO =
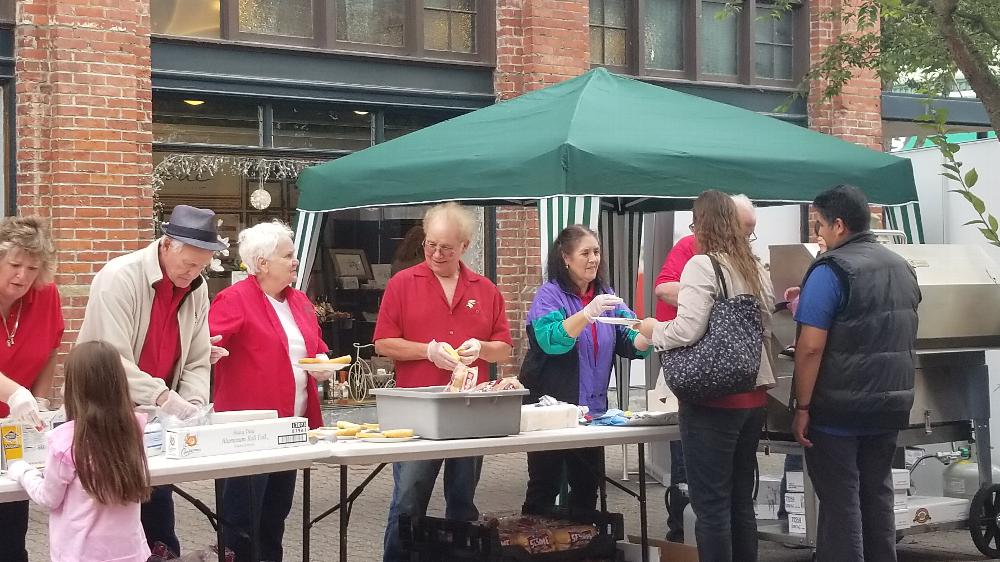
(720, 436)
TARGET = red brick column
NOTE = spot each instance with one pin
(855, 114)
(539, 43)
(84, 134)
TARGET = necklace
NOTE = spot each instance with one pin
(17, 321)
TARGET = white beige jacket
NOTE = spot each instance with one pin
(121, 301)
(699, 288)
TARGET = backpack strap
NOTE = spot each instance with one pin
(722, 278)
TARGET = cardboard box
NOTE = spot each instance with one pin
(796, 523)
(900, 479)
(795, 481)
(899, 499)
(242, 415)
(902, 517)
(669, 551)
(633, 552)
(795, 502)
(21, 441)
(926, 510)
(236, 437)
(768, 501)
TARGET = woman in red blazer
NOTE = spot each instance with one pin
(267, 326)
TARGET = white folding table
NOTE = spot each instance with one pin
(347, 452)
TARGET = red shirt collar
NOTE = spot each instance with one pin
(167, 287)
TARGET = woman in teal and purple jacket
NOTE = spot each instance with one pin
(570, 358)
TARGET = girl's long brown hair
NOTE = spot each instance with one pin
(718, 231)
(108, 444)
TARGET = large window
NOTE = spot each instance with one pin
(434, 29)
(701, 40)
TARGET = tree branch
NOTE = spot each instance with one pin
(980, 22)
(970, 60)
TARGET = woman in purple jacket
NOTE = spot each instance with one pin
(570, 358)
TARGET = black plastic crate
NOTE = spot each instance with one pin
(441, 540)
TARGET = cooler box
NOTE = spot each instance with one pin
(433, 413)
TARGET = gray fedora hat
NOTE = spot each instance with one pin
(194, 226)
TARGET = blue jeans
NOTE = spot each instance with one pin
(413, 484)
(720, 449)
(853, 481)
(273, 494)
(157, 516)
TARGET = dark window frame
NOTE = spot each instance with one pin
(630, 39)
(325, 34)
(7, 11)
(691, 39)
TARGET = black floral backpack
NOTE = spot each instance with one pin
(726, 360)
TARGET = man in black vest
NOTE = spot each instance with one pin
(854, 377)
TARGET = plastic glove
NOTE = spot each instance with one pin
(321, 376)
(178, 407)
(217, 352)
(17, 469)
(470, 350)
(438, 354)
(601, 304)
(23, 406)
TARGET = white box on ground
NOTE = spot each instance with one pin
(236, 437)
(926, 510)
(900, 479)
(902, 517)
(242, 415)
(795, 502)
(768, 501)
(795, 481)
(899, 499)
(796, 523)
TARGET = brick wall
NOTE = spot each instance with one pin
(539, 42)
(856, 114)
(84, 138)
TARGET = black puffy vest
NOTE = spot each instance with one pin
(866, 374)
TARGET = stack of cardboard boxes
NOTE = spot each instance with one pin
(795, 502)
(900, 487)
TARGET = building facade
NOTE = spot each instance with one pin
(117, 110)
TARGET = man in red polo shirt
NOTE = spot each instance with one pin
(667, 287)
(439, 301)
(152, 305)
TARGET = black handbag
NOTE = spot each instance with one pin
(726, 360)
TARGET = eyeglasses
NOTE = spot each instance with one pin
(432, 247)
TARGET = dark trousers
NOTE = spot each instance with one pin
(273, 494)
(157, 517)
(853, 481)
(14, 522)
(675, 498)
(720, 449)
(584, 468)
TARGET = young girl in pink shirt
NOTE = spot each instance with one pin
(96, 473)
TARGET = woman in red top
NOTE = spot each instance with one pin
(267, 326)
(32, 325)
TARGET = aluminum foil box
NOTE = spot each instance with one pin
(236, 437)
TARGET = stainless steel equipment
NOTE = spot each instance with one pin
(959, 319)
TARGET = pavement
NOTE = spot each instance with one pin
(501, 489)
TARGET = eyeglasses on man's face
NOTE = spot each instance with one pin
(432, 247)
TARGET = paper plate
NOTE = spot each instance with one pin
(617, 320)
(324, 367)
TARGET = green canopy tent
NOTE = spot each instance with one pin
(635, 146)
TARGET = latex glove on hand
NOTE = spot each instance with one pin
(470, 350)
(439, 353)
(24, 407)
(601, 304)
(178, 407)
(217, 352)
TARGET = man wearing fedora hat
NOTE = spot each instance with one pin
(152, 305)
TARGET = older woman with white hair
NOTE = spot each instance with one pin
(267, 326)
